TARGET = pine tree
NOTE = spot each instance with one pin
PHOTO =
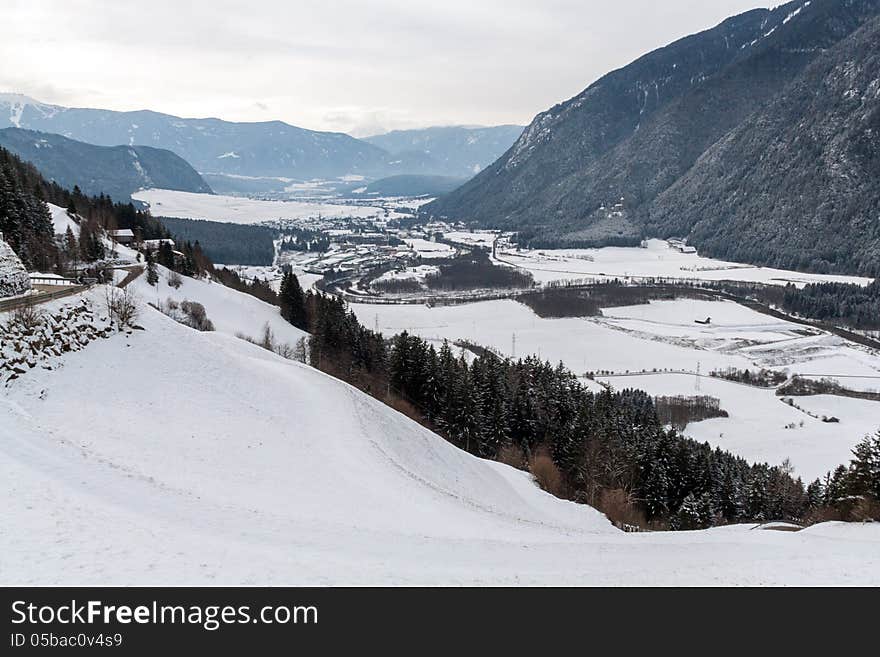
(688, 516)
(152, 271)
(864, 474)
(71, 248)
(292, 302)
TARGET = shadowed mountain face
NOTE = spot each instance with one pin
(116, 171)
(696, 139)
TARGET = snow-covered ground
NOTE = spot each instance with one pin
(61, 221)
(513, 329)
(763, 340)
(231, 312)
(418, 273)
(663, 335)
(242, 210)
(170, 456)
(483, 238)
(761, 428)
(659, 260)
(429, 249)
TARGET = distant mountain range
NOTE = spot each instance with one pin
(116, 171)
(268, 149)
(756, 139)
(457, 151)
(210, 145)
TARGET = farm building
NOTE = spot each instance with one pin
(123, 236)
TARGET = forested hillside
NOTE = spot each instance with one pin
(24, 217)
(269, 148)
(754, 139)
(115, 171)
(26, 222)
(231, 244)
(609, 450)
(796, 186)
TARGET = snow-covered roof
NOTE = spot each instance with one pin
(152, 244)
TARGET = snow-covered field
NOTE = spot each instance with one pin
(242, 210)
(428, 249)
(418, 273)
(664, 336)
(659, 260)
(513, 329)
(482, 238)
(761, 428)
(763, 340)
(170, 456)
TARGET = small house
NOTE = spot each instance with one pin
(122, 236)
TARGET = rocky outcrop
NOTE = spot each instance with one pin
(14, 278)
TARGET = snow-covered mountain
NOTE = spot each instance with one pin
(756, 139)
(456, 151)
(271, 148)
(172, 456)
(117, 171)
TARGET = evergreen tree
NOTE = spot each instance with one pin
(292, 301)
(864, 475)
(152, 271)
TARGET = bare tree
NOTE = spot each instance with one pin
(27, 317)
(121, 305)
(174, 279)
(301, 352)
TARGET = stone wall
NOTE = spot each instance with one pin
(34, 337)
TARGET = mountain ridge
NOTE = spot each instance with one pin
(633, 133)
(259, 149)
(116, 171)
(456, 151)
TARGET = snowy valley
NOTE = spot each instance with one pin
(635, 343)
(168, 455)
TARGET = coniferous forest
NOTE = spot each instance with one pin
(606, 449)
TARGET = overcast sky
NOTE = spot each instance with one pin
(358, 66)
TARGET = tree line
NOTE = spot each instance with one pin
(232, 244)
(607, 449)
(26, 221)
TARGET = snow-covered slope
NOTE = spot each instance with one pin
(61, 221)
(230, 311)
(170, 456)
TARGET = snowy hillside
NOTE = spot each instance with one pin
(232, 312)
(173, 456)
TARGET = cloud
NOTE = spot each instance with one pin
(347, 65)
